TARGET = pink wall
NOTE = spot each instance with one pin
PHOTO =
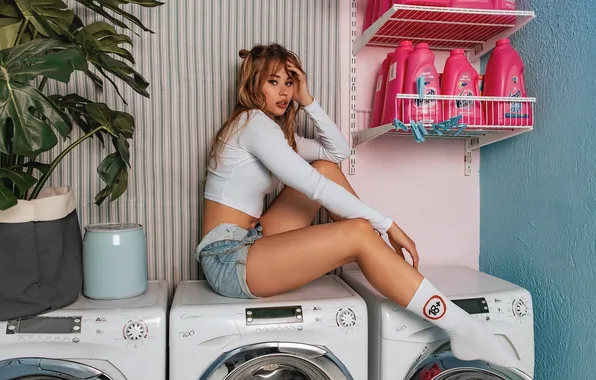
(420, 185)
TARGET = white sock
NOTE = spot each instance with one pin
(470, 338)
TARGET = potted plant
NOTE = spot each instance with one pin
(40, 237)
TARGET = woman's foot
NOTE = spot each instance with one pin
(470, 339)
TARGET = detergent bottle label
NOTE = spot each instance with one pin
(379, 83)
(430, 89)
(515, 109)
(464, 87)
(393, 71)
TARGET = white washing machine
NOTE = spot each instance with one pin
(90, 339)
(316, 332)
(403, 346)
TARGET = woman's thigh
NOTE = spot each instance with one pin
(292, 210)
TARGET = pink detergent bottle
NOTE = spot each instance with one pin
(505, 5)
(379, 98)
(461, 79)
(395, 82)
(421, 62)
(472, 4)
(505, 77)
(370, 15)
(431, 3)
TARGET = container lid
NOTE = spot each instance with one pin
(421, 45)
(457, 51)
(111, 227)
(504, 41)
(405, 43)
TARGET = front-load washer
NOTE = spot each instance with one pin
(317, 332)
(404, 346)
(90, 339)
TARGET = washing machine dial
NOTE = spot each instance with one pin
(520, 309)
(135, 330)
(345, 318)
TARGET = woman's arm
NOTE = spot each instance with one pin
(265, 140)
(332, 145)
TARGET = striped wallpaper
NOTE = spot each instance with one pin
(191, 63)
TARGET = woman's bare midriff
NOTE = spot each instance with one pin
(215, 214)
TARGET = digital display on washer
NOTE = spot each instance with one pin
(473, 305)
(273, 312)
(46, 325)
(278, 314)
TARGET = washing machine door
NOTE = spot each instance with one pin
(47, 369)
(277, 361)
(442, 365)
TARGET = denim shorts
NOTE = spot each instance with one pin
(222, 254)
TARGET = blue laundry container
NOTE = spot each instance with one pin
(114, 261)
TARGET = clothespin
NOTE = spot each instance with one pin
(397, 124)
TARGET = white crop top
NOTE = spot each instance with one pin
(257, 156)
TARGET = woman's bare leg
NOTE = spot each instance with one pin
(288, 260)
(292, 210)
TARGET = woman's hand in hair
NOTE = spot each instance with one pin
(301, 93)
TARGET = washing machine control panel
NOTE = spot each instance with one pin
(504, 307)
(121, 331)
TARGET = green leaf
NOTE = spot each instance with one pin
(116, 122)
(103, 6)
(33, 115)
(58, 66)
(106, 39)
(43, 168)
(49, 17)
(110, 167)
(102, 195)
(75, 106)
(120, 185)
(8, 34)
(123, 146)
(10, 11)
(32, 134)
(16, 55)
(7, 198)
(120, 69)
(98, 40)
(22, 180)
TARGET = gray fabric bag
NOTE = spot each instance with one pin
(40, 255)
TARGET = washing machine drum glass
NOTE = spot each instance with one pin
(277, 361)
(442, 365)
(279, 368)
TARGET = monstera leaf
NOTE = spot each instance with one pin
(50, 17)
(97, 119)
(102, 7)
(21, 180)
(31, 113)
(99, 40)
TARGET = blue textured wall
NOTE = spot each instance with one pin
(538, 202)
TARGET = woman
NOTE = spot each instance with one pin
(247, 255)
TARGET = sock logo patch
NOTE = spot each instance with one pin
(435, 308)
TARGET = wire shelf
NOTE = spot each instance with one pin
(475, 30)
(487, 119)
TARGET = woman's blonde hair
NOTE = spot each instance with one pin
(258, 64)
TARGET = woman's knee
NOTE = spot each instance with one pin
(359, 229)
(325, 167)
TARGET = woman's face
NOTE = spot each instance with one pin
(278, 90)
